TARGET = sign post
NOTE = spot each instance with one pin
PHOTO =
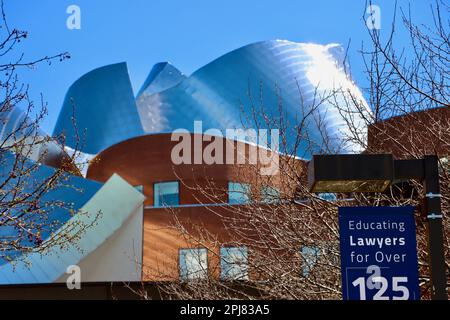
(348, 173)
(378, 253)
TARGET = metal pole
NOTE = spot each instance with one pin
(435, 229)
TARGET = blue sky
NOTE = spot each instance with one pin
(188, 33)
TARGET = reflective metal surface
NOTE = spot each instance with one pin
(222, 92)
(162, 76)
(36, 267)
(104, 108)
(16, 127)
(70, 194)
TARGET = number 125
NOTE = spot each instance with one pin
(396, 287)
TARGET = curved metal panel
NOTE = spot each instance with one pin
(104, 109)
(162, 76)
(70, 194)
(38, 268)
(17, 127)
(261, 73)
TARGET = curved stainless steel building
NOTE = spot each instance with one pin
(266, 73)
(221, 94)
(104, 108)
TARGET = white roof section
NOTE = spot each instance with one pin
(107, 211)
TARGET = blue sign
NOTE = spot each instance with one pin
(378, 253)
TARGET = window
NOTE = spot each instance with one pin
(270, 194)
(309, 257)
(166, 194)
(238, 193)
(327, 196)
(234, 263)
(193, 264)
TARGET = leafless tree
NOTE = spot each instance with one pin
(292, 241)
(26, 221)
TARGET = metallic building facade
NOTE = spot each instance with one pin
(17, 126)
(222, 94)
(266, 73)
(162, 76)
(103, 105)
(71, 193)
